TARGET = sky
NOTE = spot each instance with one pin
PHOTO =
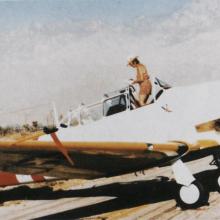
(16, 13)
(73, 51)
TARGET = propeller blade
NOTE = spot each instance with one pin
(62, 149)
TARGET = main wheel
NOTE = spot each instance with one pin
(192, 196)
(217, 181)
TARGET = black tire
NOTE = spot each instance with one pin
(217, 181)
(193, 196)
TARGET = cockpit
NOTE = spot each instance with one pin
(126, 99)
(112, 103)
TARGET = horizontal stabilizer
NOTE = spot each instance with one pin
(209, 126)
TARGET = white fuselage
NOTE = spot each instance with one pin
(186, 107)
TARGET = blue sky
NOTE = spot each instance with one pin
(113, 12)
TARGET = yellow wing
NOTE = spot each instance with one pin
(91, 159)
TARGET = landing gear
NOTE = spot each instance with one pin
(190, 192)
(192, 196)
(218, 180)
(216, 162)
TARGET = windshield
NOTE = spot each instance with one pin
(162, 83)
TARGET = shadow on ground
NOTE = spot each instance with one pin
(127, 195)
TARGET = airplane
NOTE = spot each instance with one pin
(178, 124)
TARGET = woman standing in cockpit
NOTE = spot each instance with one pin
(142, 78)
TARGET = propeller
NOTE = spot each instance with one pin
(52, 132)
(62, 149)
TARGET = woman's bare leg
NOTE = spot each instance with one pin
(142, 99)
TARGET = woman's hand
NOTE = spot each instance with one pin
(133, 81)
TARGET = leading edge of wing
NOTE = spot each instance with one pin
(91, 146)
(172, 146)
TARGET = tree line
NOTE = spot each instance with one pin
(25, 128)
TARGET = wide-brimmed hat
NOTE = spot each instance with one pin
(130, 59)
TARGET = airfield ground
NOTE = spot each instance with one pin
(124, 197)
